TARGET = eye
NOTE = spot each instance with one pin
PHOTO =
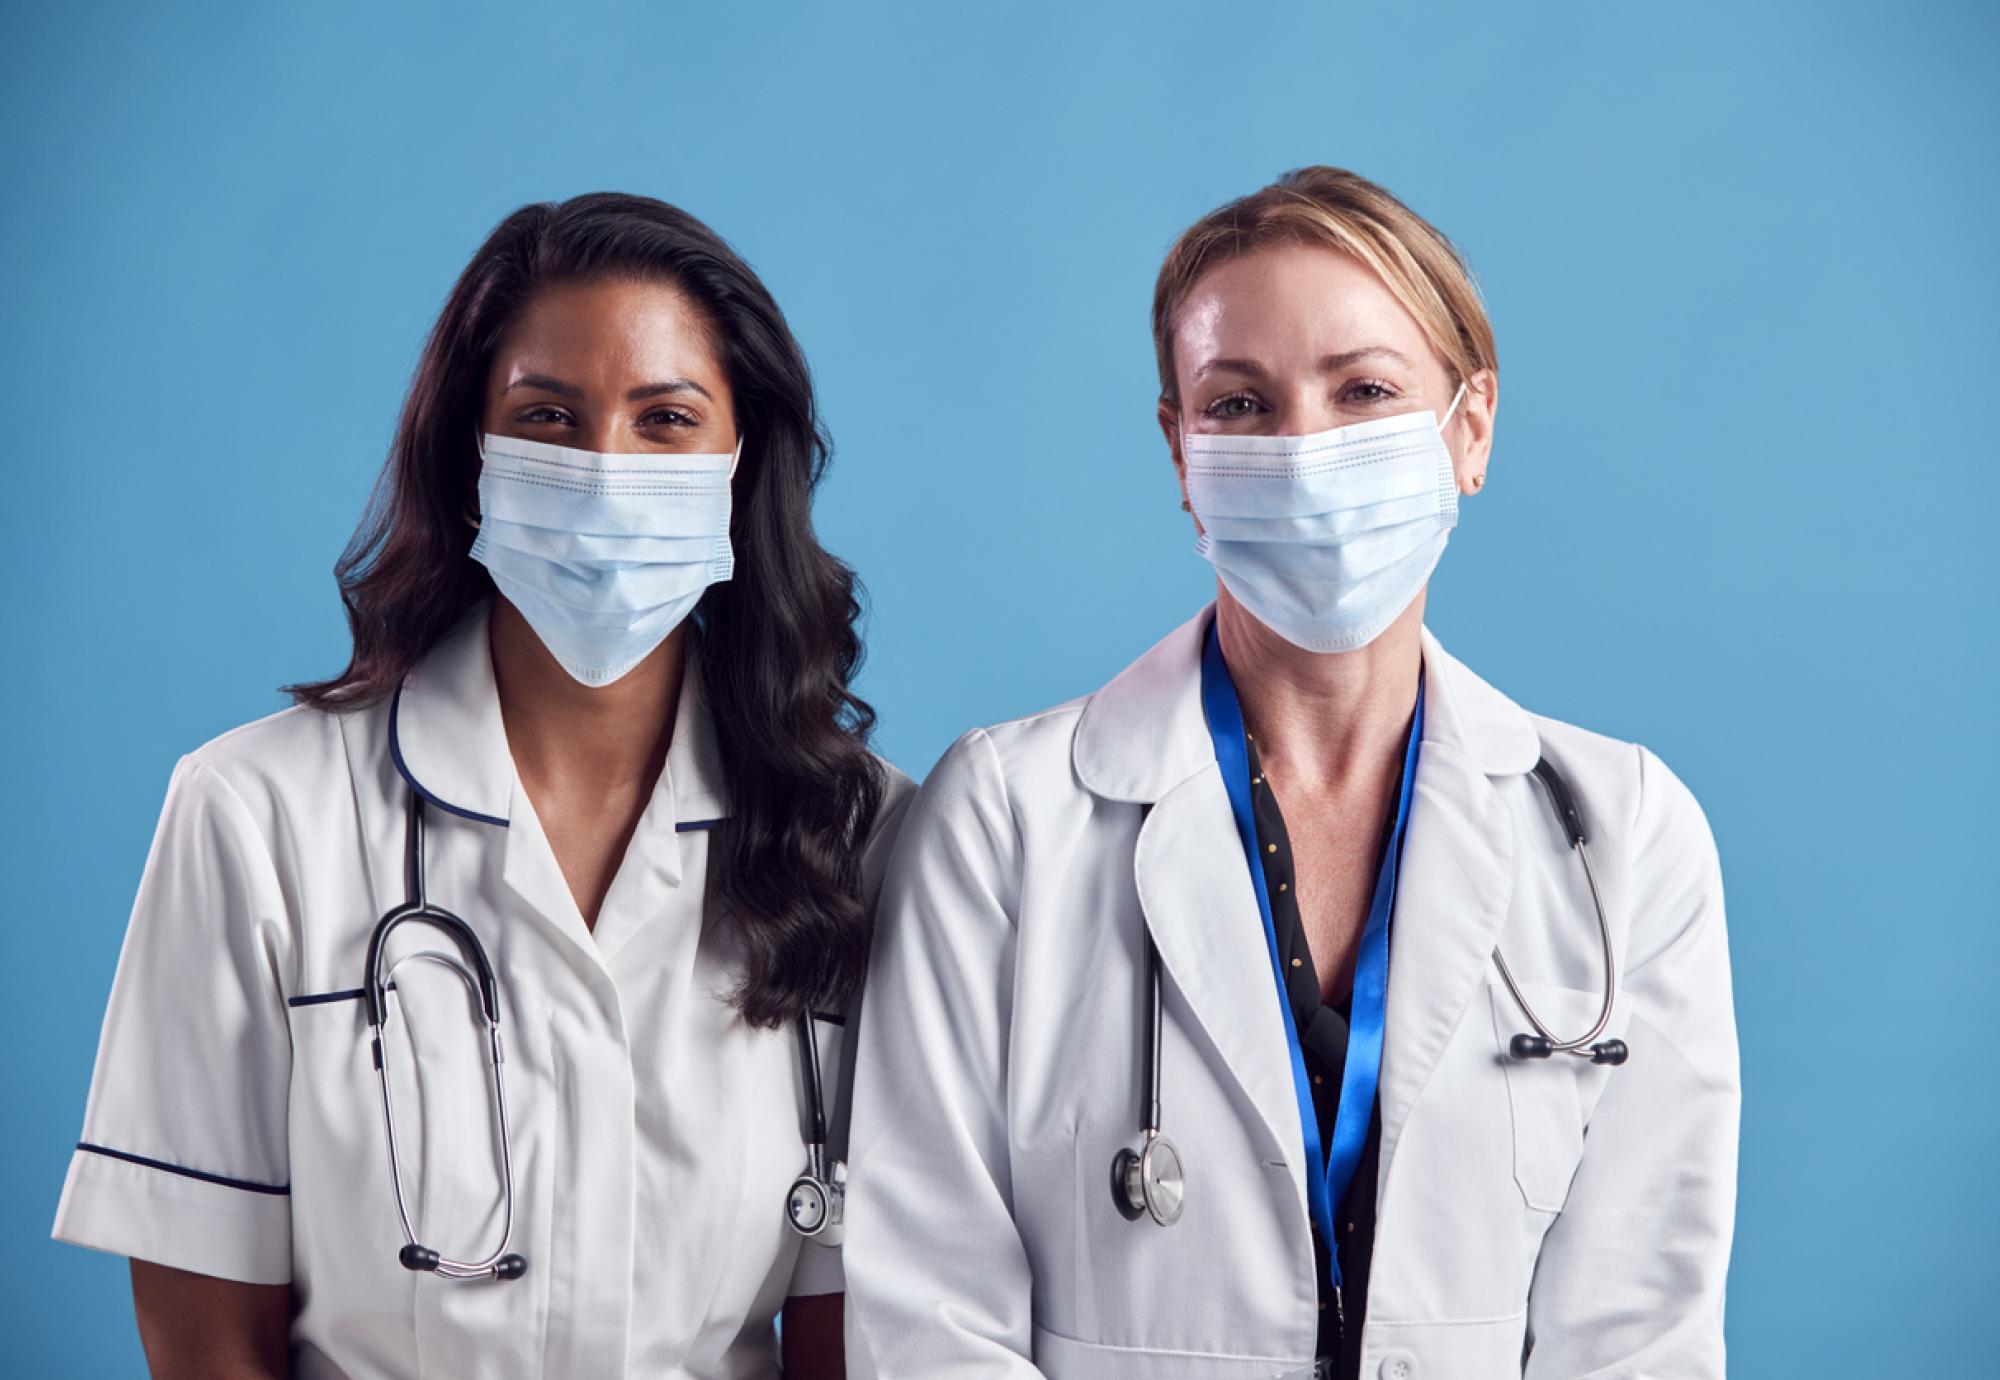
(669, 416)
(1367, 391)
(545, 414)
(1232, 407)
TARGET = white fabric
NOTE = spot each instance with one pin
(1001, 1057)
(654, 1133)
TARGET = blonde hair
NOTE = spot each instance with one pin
(1347, 212)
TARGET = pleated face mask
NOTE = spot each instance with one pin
(1326, 538)
(603, 554)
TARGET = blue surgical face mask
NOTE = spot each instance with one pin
(604, 555)
(1325, 538)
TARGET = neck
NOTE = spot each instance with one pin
(562, 732)
(1324, 721)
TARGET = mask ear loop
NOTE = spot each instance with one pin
(478, 444)
(1453, 408)
(736, 456)
(1187, 504)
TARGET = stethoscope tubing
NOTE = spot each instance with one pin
(1131, 1170)
(484, 991)
(1566, 813)
(825, 1177)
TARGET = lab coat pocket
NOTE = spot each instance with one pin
(1542, 1094)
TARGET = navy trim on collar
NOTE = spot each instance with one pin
(396, 755)
(688, 826)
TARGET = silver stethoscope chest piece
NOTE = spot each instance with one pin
(816, 1203)
(1150, 1181)
(816, 1206)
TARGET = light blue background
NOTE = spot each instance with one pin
(1740, 262)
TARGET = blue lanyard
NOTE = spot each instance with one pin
(1328, 1175)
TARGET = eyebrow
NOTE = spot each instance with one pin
(544, 383)
(1334, 363)
(1331, 364)
(655, 390)
(548, 384)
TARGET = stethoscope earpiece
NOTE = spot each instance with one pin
(420, 1259)
(1525, 1046)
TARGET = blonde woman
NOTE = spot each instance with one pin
(1298, 1004)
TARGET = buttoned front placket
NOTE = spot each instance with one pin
(626, 1027)
(608, 1055)
(592, 1136)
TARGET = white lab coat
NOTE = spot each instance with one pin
(1573, 1215)
(235, 1126)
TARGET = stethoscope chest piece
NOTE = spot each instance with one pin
(816, 1206)
(1149, 1181)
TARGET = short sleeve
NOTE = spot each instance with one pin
(183, 1159)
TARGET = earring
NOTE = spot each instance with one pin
(1186, 507)
(1478, 482)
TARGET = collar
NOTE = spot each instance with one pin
(448, 741)
(1144, 733)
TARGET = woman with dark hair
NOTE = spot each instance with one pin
(473, 1012)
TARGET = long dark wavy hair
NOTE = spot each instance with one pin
(778, 642)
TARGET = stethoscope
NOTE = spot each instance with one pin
(1151, 1181)
(815, 1205)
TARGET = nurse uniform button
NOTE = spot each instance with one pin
(1399, 1365)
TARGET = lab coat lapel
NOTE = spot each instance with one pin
(1200, 908)
(1456, 877)
(1451, 896)
(1143, 739)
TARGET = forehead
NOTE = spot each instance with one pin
(608, 328)
(1288, 300)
